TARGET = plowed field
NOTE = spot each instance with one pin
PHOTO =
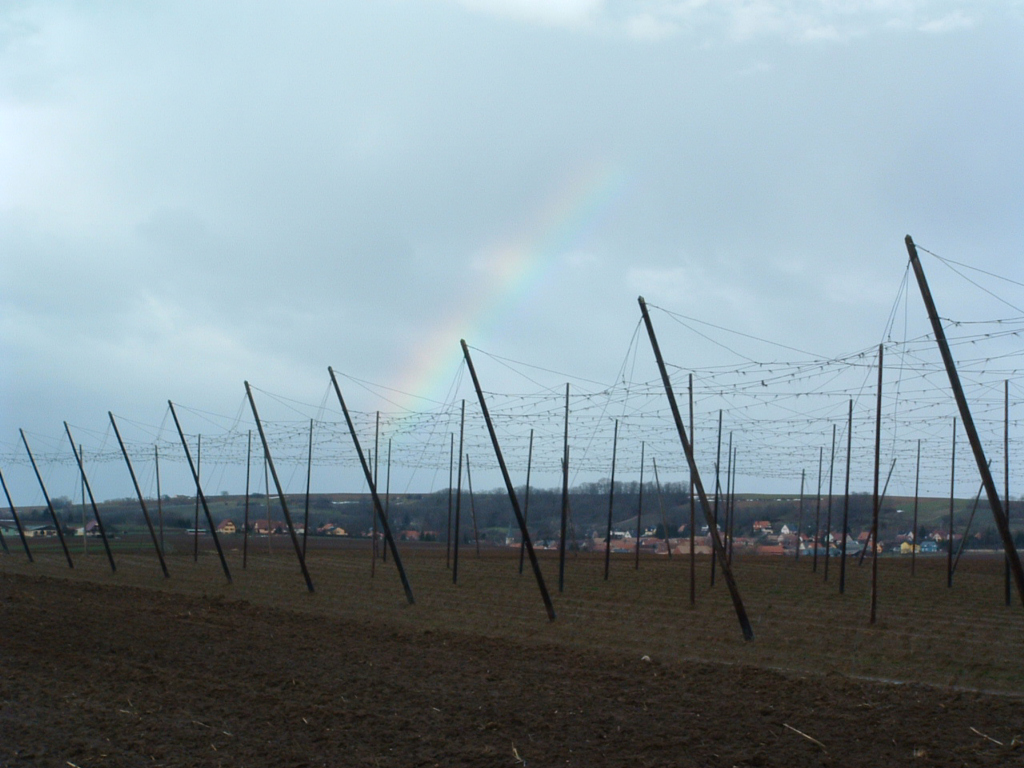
(131, 669)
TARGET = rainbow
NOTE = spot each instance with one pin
(512, 273)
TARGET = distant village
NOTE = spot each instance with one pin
(424, 518)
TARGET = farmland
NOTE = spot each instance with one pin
(474, 674)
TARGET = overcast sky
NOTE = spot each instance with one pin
(196, 194)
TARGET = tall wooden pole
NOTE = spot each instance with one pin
(846, 502)
(373, 515)
(92, 501)
(49, 504)
(611, 505)
(1002, 522)
(159, 497)
(800, 515)
(875, 497)
(195, 525)
(728, 503)
(526, 503)
(309, 479)
(138, 492)
(199, 492)
(741, 613)
(17, 520)
(640, 507)
(693, 513)
(817, 513)
(389, 539)
(828, 513)
(266, 500)
(513, 499)
(718, 494)
(85, 539)
(732, 503)
(387, 497)
(1006, 482)
(451, 491)
(917, 488)
(245, 520)
(458, 498)
(565, 497)
(299, 552)
(952, 484)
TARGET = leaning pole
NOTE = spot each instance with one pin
(199, 492)
(17, 520)
(741, 612)
(138, 492)
(513, 499)
(46, 496)
(92, 501)
(1002, 524)
(378, 508)
(300, 551)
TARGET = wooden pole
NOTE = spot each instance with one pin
(373, 514)
(565, 497)
(513, 499)
(693, 512)
(875, 497)
(458, 498)
(387, 498)
(17, 520)
(199, 491)
(1002, 521)
(718, 493)
(159, 498)
(92, 501)
(800, 515)
(640, 507)
(195, 525)
(309, 479)
(85, 539)
(49, 504)
(526, 504)
(917, 487)
(138, 492)
(451, 491)
(266, 499)
(741, 613)
(299, 551)
(828, 513)
(245, 521)
(817, 513)
(388, 538)
(846, 502)
(1006, 482)
(611, 504)
(728, 503)
(949, 537)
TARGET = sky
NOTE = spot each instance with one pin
(195, 195)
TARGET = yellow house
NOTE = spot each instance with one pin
(906, 548)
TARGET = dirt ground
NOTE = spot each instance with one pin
(108, 674)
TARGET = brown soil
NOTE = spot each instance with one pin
(105, 670)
